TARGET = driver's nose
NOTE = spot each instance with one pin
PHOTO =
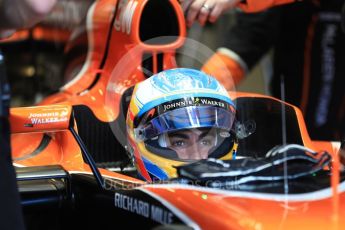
(198, 152)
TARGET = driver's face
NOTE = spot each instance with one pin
(194, 144)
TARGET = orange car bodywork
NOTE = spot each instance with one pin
(39, 33)
(251, 6)
(200, 208)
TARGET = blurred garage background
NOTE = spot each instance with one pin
(37, 59)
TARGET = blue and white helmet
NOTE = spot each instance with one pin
(172, 101)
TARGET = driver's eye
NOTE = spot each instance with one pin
(178, 143)
(206, 142)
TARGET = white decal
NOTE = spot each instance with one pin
(123, 19)
(143, 208)
(64, 113)
(36, 121)
(48, 117)
(53, 114)
(160, 215)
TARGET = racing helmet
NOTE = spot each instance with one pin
(176, 117)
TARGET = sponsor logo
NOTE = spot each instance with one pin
(143, 208)
(47, 118)
(192, 102)
(37, 121)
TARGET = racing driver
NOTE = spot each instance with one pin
(178, 116)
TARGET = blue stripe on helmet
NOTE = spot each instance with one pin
(154, 170)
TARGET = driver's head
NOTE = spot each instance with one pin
(176, 117)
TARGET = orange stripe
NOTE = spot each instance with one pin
(50, 34)
(335, 180)
(154, 62)
(250, 6)
(17, 36)
(226, 70)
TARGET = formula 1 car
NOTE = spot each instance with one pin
(73, 170)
